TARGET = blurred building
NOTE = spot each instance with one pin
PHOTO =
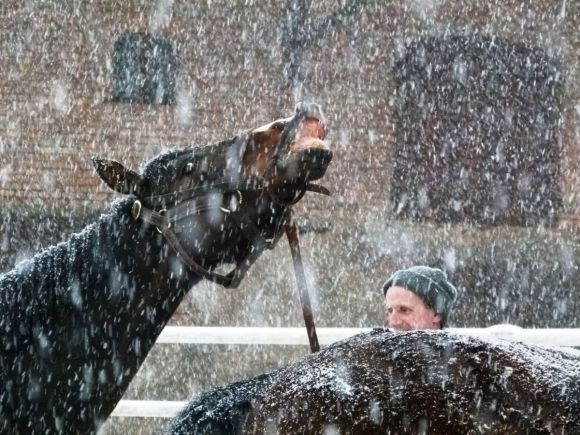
(453, 117)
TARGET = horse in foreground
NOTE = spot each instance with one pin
(384, 382)
(77, 320)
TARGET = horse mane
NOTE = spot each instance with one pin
(54, 268)
(165, 157)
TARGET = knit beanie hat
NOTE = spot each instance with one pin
(430, 284)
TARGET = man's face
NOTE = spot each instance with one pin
(406, 311)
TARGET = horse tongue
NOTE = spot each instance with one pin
(312, 127)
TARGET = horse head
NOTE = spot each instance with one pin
(227, 202)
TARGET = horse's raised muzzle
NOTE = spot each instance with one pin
(302, 153)
(312, 163)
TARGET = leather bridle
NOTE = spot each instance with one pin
(198, 201)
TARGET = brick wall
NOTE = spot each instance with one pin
(55, 84)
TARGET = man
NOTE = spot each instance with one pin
(418, 298)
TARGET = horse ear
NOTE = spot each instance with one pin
(116, 176)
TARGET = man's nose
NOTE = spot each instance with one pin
(394, 320)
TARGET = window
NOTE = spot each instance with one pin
(477, 131)
(144, 69)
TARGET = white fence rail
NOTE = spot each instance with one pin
(297, 336)
(148, 408)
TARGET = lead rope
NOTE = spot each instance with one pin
(292, 234)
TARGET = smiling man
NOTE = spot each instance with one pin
(418, 298)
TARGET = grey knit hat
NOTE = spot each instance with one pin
(430, 284)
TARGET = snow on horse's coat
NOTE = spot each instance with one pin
(431, 382)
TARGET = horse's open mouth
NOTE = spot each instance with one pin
(311, 134)
(308, 155)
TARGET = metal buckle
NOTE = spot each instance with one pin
(136, 209)
(227, 210)
(162, 213)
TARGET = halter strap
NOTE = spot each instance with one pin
(230, 280)
(164, 219)
(181, 196)
(293, 241)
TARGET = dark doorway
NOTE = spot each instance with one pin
(477, 131)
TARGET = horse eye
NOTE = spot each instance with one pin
(188, 168)
(279, 126)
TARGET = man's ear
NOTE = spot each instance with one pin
(116, 176)
(438, 320)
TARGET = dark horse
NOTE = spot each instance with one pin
(381, 382)
(78, 319)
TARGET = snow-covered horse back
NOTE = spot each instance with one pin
(384, 382)
(78, 319)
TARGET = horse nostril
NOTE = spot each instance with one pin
(307, 109)
(302, 107)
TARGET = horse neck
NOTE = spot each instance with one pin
(137, 265)
(117, 269)
(97, 301)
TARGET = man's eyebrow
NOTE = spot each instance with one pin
(398, 306)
